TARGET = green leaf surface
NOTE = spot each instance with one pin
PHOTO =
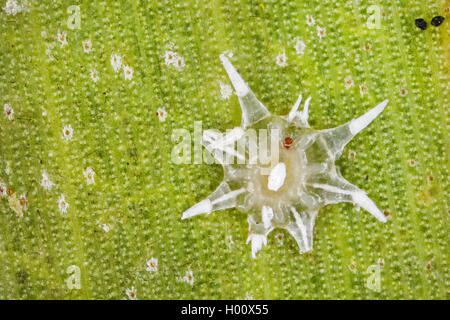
(400, 160)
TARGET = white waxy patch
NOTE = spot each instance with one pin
(239, 84)
(202, 207)
(361, 199)
(277, 177)
(258, 240)
(267, 216)
(360, 123)
(294, 109)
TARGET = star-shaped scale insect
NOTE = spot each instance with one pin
(300, 178)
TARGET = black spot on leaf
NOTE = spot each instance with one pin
(437, 21)
(422, 24)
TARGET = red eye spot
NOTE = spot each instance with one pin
(288, 142)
